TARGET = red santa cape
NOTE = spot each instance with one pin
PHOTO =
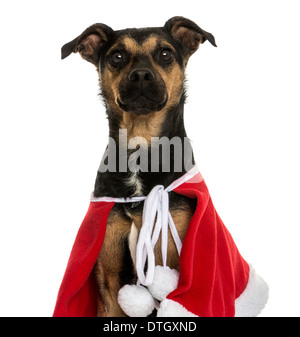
(214, 279)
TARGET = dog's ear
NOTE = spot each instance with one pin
(188, 33)
(89, 43)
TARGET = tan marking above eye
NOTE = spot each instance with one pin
(133, 47)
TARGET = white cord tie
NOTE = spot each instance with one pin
(156, 219)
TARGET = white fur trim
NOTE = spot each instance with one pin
(169, 308)
(165, 280)
(253, 298)
(248, 304)
(136, 301)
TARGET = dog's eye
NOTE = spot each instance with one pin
(116, 58)
(166, 55)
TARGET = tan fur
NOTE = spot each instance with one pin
(133, 47)
(142, 126)
(109, 264)
(173, 79)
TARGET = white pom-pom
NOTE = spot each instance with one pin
(136, 301)
(165, 281)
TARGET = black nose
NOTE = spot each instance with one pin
(144, 75)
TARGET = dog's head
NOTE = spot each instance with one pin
(140, 70)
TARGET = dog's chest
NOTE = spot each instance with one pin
(137, 162)
(134, 182)
(181, 216)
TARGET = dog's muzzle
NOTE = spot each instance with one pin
(142, 92)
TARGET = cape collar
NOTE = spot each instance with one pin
(156, 220)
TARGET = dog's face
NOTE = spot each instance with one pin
(141, 71)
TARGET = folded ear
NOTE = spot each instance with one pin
(89, 43)
(188, 33)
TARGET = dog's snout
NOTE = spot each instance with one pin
(141, 75)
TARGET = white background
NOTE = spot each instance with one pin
(242, 116)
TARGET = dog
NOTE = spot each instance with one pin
(142, 82)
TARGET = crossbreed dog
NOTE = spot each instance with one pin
(141, 76)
